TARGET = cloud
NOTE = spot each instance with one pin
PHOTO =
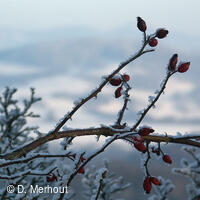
(111, 107)
(62, 83)
(178, 86)
(17, 70)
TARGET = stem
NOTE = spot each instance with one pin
(153, 102)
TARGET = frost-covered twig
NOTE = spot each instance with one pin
(124, 107)
(103, 175)
(169, 74)
(25, 160)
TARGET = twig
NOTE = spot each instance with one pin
(147, 160)
(103, 175)
(153, 102)
(29, 172)
(122, 111)
(68, 155)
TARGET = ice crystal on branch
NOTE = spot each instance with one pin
(111, 184)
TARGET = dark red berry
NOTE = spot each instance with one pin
(141, 24)
(126, 77)
(147, 185)
(138, 139)
(161, 33)
(81, 171)
(155, 181)
(172, 62)
(51, 177)
(183, 67)
(115, 81)
(145, 131)
(83, 159)
(140, 146)
(166, 158)
(153, 42)
(118, 92)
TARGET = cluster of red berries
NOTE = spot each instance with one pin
(119, 80)
(138, 141)
(139, 145)
(53, 176)
(166, 158)
(147, 184)
(160, 33)
(182, 67)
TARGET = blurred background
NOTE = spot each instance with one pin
(63, 48)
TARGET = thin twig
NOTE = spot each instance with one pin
(153, 102)
(147, 160)
(100, 185)
(68, 155)
(29, 172)
(122, 111)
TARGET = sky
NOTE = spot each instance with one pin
(180, 15)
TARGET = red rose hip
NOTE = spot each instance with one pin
(153, 42)
(81, 171)
(161, 33)
(118, 92)
(115, 81)
(145, 131)
(140, 146)
(183, 67)
(141, 24)
(147, 185)
(166, 158)
(172, 62)
(51, 177)
(155, 181)
(126, 77)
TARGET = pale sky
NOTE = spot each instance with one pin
(178, 15)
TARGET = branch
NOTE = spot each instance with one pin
(29, 172)
(122, 111)
(68, 155)
(98, 90)
(153, 102)
(104, 131)
(103, 175)
(22, 151)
